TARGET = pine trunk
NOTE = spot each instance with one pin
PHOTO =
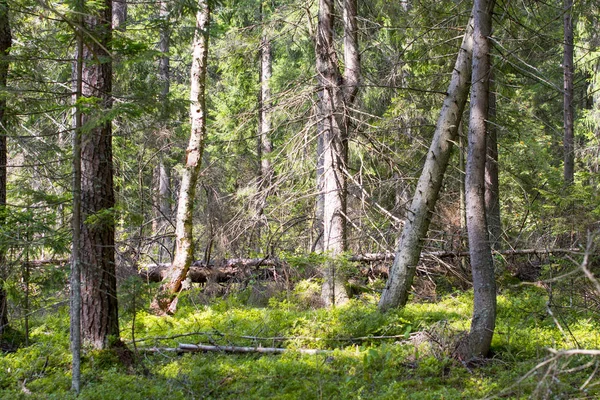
(184, 245)
(99, 317)
(416, 224)
(482, 264)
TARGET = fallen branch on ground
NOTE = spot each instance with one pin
(277, 338)
(196, 348)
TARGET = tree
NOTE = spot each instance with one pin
(184, 245)
(119, 14)
(161, 184)
(336, 96)
(5, 44)
(492, 185)
(99, 317)
(426, 194)
(482, 263)
(568, 109)
(265, 144)
(75, 279)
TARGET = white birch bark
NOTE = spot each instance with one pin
(184, 251)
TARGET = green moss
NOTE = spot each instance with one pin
(361, 364)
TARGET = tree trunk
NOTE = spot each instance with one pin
(99, 317)
(5, 44)
(119, 14)
(482, 264)
(161, 186)
(265, 145)
(162, 210)
(75, 278)
(568, 113)
(417, 221)
(492, 186)
(184, 245)
(336, 96)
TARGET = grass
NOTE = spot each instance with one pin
(416, 364)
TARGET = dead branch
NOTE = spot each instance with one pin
(196, 348)
(373, 257)
(277, 338)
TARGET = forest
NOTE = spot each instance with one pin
(251, 199)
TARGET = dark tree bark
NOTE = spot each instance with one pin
(99, 317)
(416, 224)
(184, 249)
(482, 263)
(5, 44)
(568, 113)
(492, 186)
(336, 96)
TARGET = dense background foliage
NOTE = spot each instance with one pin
(407, 52)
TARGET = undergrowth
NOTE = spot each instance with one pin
(401, 354)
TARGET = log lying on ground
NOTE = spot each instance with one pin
(196, 348)
(226, 270)
(375, 257)
(222, 271)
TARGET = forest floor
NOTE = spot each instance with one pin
(403, 354)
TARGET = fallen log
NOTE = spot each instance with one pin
(197, 348)
(375, 257)
(223, 271)
(228, 269)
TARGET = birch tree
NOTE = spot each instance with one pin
(184, 245)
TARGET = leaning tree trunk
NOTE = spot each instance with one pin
(568, 113)
(5, 44)
(99, 317)
(336, 97)
(480, 252)
(184, 245)
(416, 224)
